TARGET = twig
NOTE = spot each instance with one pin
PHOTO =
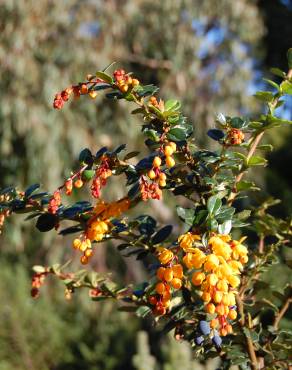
(281, 313)
(250, 347)
(252, 149)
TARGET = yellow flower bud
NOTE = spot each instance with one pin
(225, 300)
(243, 259)
(234, 281)
(220, 309)
(214, 323)
(212, 279)
(232, 315)
(222, 285)
(170, 162)
(77, 243)
(177, 271)
(151, 174)
(173, 145)
(210, 308)
(231, 298)
(218, 297)
(160, 273)
(168, 274)
(211, 262)
(160, 288)
(198, 278)
(176, 283)
(206, 297)
(168, 150)
(156, 162)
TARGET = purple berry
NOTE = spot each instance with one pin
(217, 340)
(199, 340)
(204, 327)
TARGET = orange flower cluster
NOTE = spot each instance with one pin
(95, 231)
(218, 268)
(54, 202)
(101, 174)
(98, 226)
(170, 276)
(77, 90)
(149, 190)
(235, 136)
(124, 81)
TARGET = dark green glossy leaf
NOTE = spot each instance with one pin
(186, 214)
(31, 189)
(46, 222)
(162, 234)
(216, 134)
(214, 204)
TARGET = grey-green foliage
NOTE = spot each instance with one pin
(51, 333)
(32, 335)
(143, 360)
(179, 355)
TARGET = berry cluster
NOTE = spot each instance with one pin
(218, 265)
(205, 330)
(62, 97)
(152, 191)
(101, 174)
(82, 88)
(124, 81)
(149, 190)
(168, 151)
(55, 202)
(235, 136)
(169, 276)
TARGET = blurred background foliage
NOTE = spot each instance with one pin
(211, 55)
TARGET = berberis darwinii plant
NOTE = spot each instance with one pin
(204, 283)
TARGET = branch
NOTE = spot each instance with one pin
(250, 347)
(281, 313)
(252, 149)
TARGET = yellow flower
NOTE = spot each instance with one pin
(232, 315)
(186, 240)
(212, 279)
(218, 296)
(236, 266)
(210, 308)
(165, 256)
(211, 262)
(222, 285)
(177, 271)
(197, 278)
(219, 247)
(234, 281)
(206, 297)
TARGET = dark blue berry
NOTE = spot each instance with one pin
(204, 327)
(217, 340)
(199, 340)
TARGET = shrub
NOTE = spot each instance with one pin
(206, 284)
